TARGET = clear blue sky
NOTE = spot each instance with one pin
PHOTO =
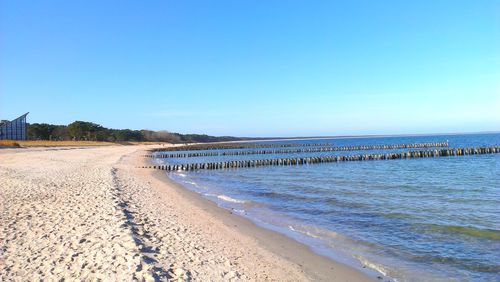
(254, 68)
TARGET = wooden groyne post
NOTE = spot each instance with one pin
(220, 146)
(328, 159)
(300, 150)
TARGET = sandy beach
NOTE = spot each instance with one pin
(91, 213)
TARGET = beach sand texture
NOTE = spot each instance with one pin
(90, 213)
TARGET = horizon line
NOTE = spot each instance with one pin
(361, 136)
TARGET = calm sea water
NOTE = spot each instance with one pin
(412, 220)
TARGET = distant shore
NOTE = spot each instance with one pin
(93, 214)
(54, 143)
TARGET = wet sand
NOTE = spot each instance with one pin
(92, 213)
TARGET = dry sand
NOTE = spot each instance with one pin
(90, 213)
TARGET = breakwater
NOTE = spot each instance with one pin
(329, 159)
(301, 150)
(224, 146)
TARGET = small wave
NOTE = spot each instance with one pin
(302, 232)
(314, 232)
(181, 174)
(465, 230)
(242, 212)
(229, 199)
(377, 267)
(192, 183)
(463, 263)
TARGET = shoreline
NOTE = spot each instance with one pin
(322, 267)
(93, 214)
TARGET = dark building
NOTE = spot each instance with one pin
(14, 130)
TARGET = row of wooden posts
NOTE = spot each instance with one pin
(329, 159)
(221, 146)
(300, 150)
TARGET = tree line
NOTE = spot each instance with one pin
(89, 131)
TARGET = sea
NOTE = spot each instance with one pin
(425, 219)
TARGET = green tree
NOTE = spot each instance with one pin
(81, 130)
(40, 131)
